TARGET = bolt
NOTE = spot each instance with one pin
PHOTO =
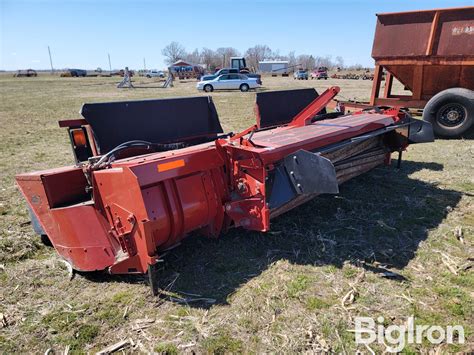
(228, 207)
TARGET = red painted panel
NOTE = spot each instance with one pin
(193, 202)
(85, 243)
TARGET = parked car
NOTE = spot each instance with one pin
(229, 82)
(77, 72)
(300, 74)
(219, 72)
(27, 73)
(155, 74)
(230, 71)
(320, 73)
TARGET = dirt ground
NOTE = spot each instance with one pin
(393, 244)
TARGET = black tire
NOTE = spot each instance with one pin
(208, 88)
(148, 76)
(451, 112)
(244, 88)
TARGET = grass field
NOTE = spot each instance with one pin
(392, 244)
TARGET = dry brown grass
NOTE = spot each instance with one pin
(274, 292)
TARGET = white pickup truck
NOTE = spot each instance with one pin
(154, 74)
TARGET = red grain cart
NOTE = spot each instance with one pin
(431, 53)
(150, 172)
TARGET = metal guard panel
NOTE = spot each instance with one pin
(420, 132)
(280, 107)
(156, 121)
(311, 173)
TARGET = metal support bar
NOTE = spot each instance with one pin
(305, 116)
(376, 85)
(153, 278)
(388, 85)
(431, 40)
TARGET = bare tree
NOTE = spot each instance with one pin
(225, 53)
(194, 57)
(173, 52)
(207, 57)
(292, 59)
(306, 61)
(324, 62)
(221, 57)
(257, 54)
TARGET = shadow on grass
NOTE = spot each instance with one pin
(380, 216)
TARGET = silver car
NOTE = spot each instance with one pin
(229, 82)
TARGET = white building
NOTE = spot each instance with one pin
(276, 67)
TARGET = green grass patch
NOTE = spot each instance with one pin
(124, 297)
(166, 349)
(314, 303)
(298, 285)
(60, 321)
(222, 344)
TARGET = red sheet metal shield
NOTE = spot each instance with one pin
(120, 217)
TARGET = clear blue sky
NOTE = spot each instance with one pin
(81, 33)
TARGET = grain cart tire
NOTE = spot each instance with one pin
(451, 112)
(244, 88)
(208, 88)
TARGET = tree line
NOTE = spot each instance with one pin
(220, 57)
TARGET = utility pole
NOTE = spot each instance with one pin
(50, 61)
(110, 65)
(144, 64)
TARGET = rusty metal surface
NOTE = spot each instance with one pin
(435, 77)
(455, 36)
(408, 35)
(427, 51)
(403, 35)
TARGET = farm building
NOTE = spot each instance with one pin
(186, 70)
(273, 66)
